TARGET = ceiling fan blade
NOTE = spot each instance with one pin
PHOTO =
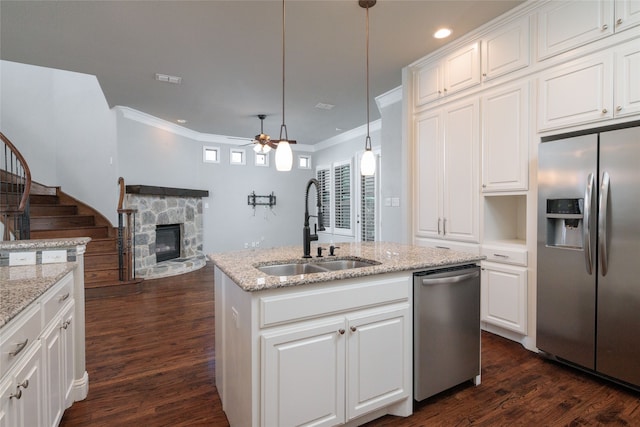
(290, 141)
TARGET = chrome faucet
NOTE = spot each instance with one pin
(307, 237)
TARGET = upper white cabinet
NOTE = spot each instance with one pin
(564, 25)
(446, 164)
(627, 80)
(455, 72)
(576, 92)
(627, 14)
(505, 139)
(506, 49)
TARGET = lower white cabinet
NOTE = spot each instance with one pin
(329, 372)
(27, 395)
(503, 299)
(327, 354)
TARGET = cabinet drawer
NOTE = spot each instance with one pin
(18, 336)
(57, 297)
(314, 303)
(506, 255)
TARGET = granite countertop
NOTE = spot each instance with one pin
(35, 244)
(393, 257)
(21, 285)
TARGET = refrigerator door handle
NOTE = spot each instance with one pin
(603, 220)
(586, 226)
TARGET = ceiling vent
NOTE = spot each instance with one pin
(168, 79)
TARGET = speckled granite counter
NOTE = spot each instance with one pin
(21, 285)
(393, 257)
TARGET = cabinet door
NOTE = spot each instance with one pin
(30, 409)
(378, 359)
(505, 139)
(7, 403)
(303, 375)
(429, 135)
(68, 360)
(427, 83)
(576, 93)
(564, 25)
(461, 171)
(627, 14)
(506, 49)
(462, 69)
(627, 85)
(504, 296)
(52, 342)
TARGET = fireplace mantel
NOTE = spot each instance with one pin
(150, 190)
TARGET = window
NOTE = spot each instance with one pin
(211, 154)
(237, 156)
(342, 198)
(367, 208)
(262, 159)
(323, 175)
(304, 162)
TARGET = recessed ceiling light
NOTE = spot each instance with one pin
(181, 121)
(442, 33)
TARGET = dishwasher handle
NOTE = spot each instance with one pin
(450, 279)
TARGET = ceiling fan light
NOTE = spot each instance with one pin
(367, 163)
(284, 156)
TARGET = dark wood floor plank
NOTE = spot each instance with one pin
(151, 362)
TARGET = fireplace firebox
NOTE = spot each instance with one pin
(167, 242)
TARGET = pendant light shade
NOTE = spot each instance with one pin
(368, 160)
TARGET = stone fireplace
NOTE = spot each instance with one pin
(162, 209)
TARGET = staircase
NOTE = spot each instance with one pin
(54, 214)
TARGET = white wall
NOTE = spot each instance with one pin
(152, 156)
(62, 125)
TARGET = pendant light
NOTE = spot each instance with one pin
(284, 155)
(368, 160)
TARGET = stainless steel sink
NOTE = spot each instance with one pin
(292, 269)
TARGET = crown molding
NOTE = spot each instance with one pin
(390, 97)
(376, 125)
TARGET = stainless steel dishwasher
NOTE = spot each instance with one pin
(446, 331)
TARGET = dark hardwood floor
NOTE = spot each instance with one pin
(150, 359)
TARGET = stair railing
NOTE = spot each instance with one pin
(15, 185)
(126, 254)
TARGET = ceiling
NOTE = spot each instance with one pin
(229, 55)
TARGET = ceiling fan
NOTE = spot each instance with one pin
(262, 143)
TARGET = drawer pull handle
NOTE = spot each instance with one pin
(24, 384)
(63, 297)
(501, 256)
(17, 394)
(19, 347)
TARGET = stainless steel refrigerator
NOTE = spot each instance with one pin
(588, 288)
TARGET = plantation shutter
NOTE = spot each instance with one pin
(342, 196)
(324, 178)
(368, 208)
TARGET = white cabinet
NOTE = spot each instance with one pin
(446, 163)
(565, 25)
(505, 139)
(506, 49)
(627, 14)
(627, 87)
(330, 372)
(576, 92)
(7, 404)
(457, 71)
(29, 390)
(324, 354)
(503, 299)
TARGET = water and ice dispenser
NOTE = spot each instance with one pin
(565, 223)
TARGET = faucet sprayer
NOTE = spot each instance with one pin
(307, 237)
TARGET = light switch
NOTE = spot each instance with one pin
(387, 201)
(395, 202)
(22, 258)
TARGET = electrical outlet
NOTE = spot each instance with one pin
(50, 257)
(22, 258)
(234, 316)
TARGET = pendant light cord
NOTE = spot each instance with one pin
(283, 127)
(367, 144)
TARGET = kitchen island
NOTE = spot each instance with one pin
(321, 348)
